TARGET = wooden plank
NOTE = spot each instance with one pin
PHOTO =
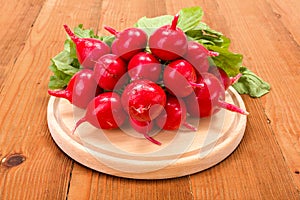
(242, 23)
(101, 186)
(16, 16)
(284, 118)
(288, 16)
(122, 15)
(43, 166)
(17, 19)
(282, 111)
(256, 165)
(80, 175)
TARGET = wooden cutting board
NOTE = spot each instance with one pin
(125, 153)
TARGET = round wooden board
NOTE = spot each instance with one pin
(125, 153)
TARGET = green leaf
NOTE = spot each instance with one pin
(203, 34)
(228, 61)
(189, 18)
(225, 42)
(67, 69)
(63, 56)
(151, 24)
(204, 27)
(63, 62)
(108, 39)
(57, 83)
(251, 84)
(63, 68)
(70, 47)
(84, 33)
(59, 79)
(205, 42)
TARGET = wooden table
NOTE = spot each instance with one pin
(266, 164)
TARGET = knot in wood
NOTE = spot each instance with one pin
(13, 160)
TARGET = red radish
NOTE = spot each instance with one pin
(197, 55)
(168, 42)
(143, 128)
(223, 76)
(210, 98)
(174, 115)
(143, 100)
(104, 111)
(128, 42)
(179, 78)
(144, 65)
(88, 50)
(81, 89)
(108, 70)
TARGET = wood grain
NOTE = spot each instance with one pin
(279, 65)
(46, 171)
(97, 185)
(265, 178)
(22, 16)
(264, 166)
(287, 16)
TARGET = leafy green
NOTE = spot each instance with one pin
(189, 18)
(228, 61)
(59, 79)
(63, 67)
(84, 33)
(203, 34)
(251, 84)
(63, 63)
(150, 24)
(108, 39)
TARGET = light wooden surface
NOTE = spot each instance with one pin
(266, 164)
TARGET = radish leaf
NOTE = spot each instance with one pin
(189, 18)
(251, 84)
(228, 61)
(150, 24)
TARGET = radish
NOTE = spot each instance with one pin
(128, 42)
(223, 76)
(143, 100)
(174, 115)
(144, 128)
(104, 111)
(197, 55)
(88, 50)
(179, 78)
(144, 65)
(108, 70)
(168, 42)
(210, 98)
(81, 89)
